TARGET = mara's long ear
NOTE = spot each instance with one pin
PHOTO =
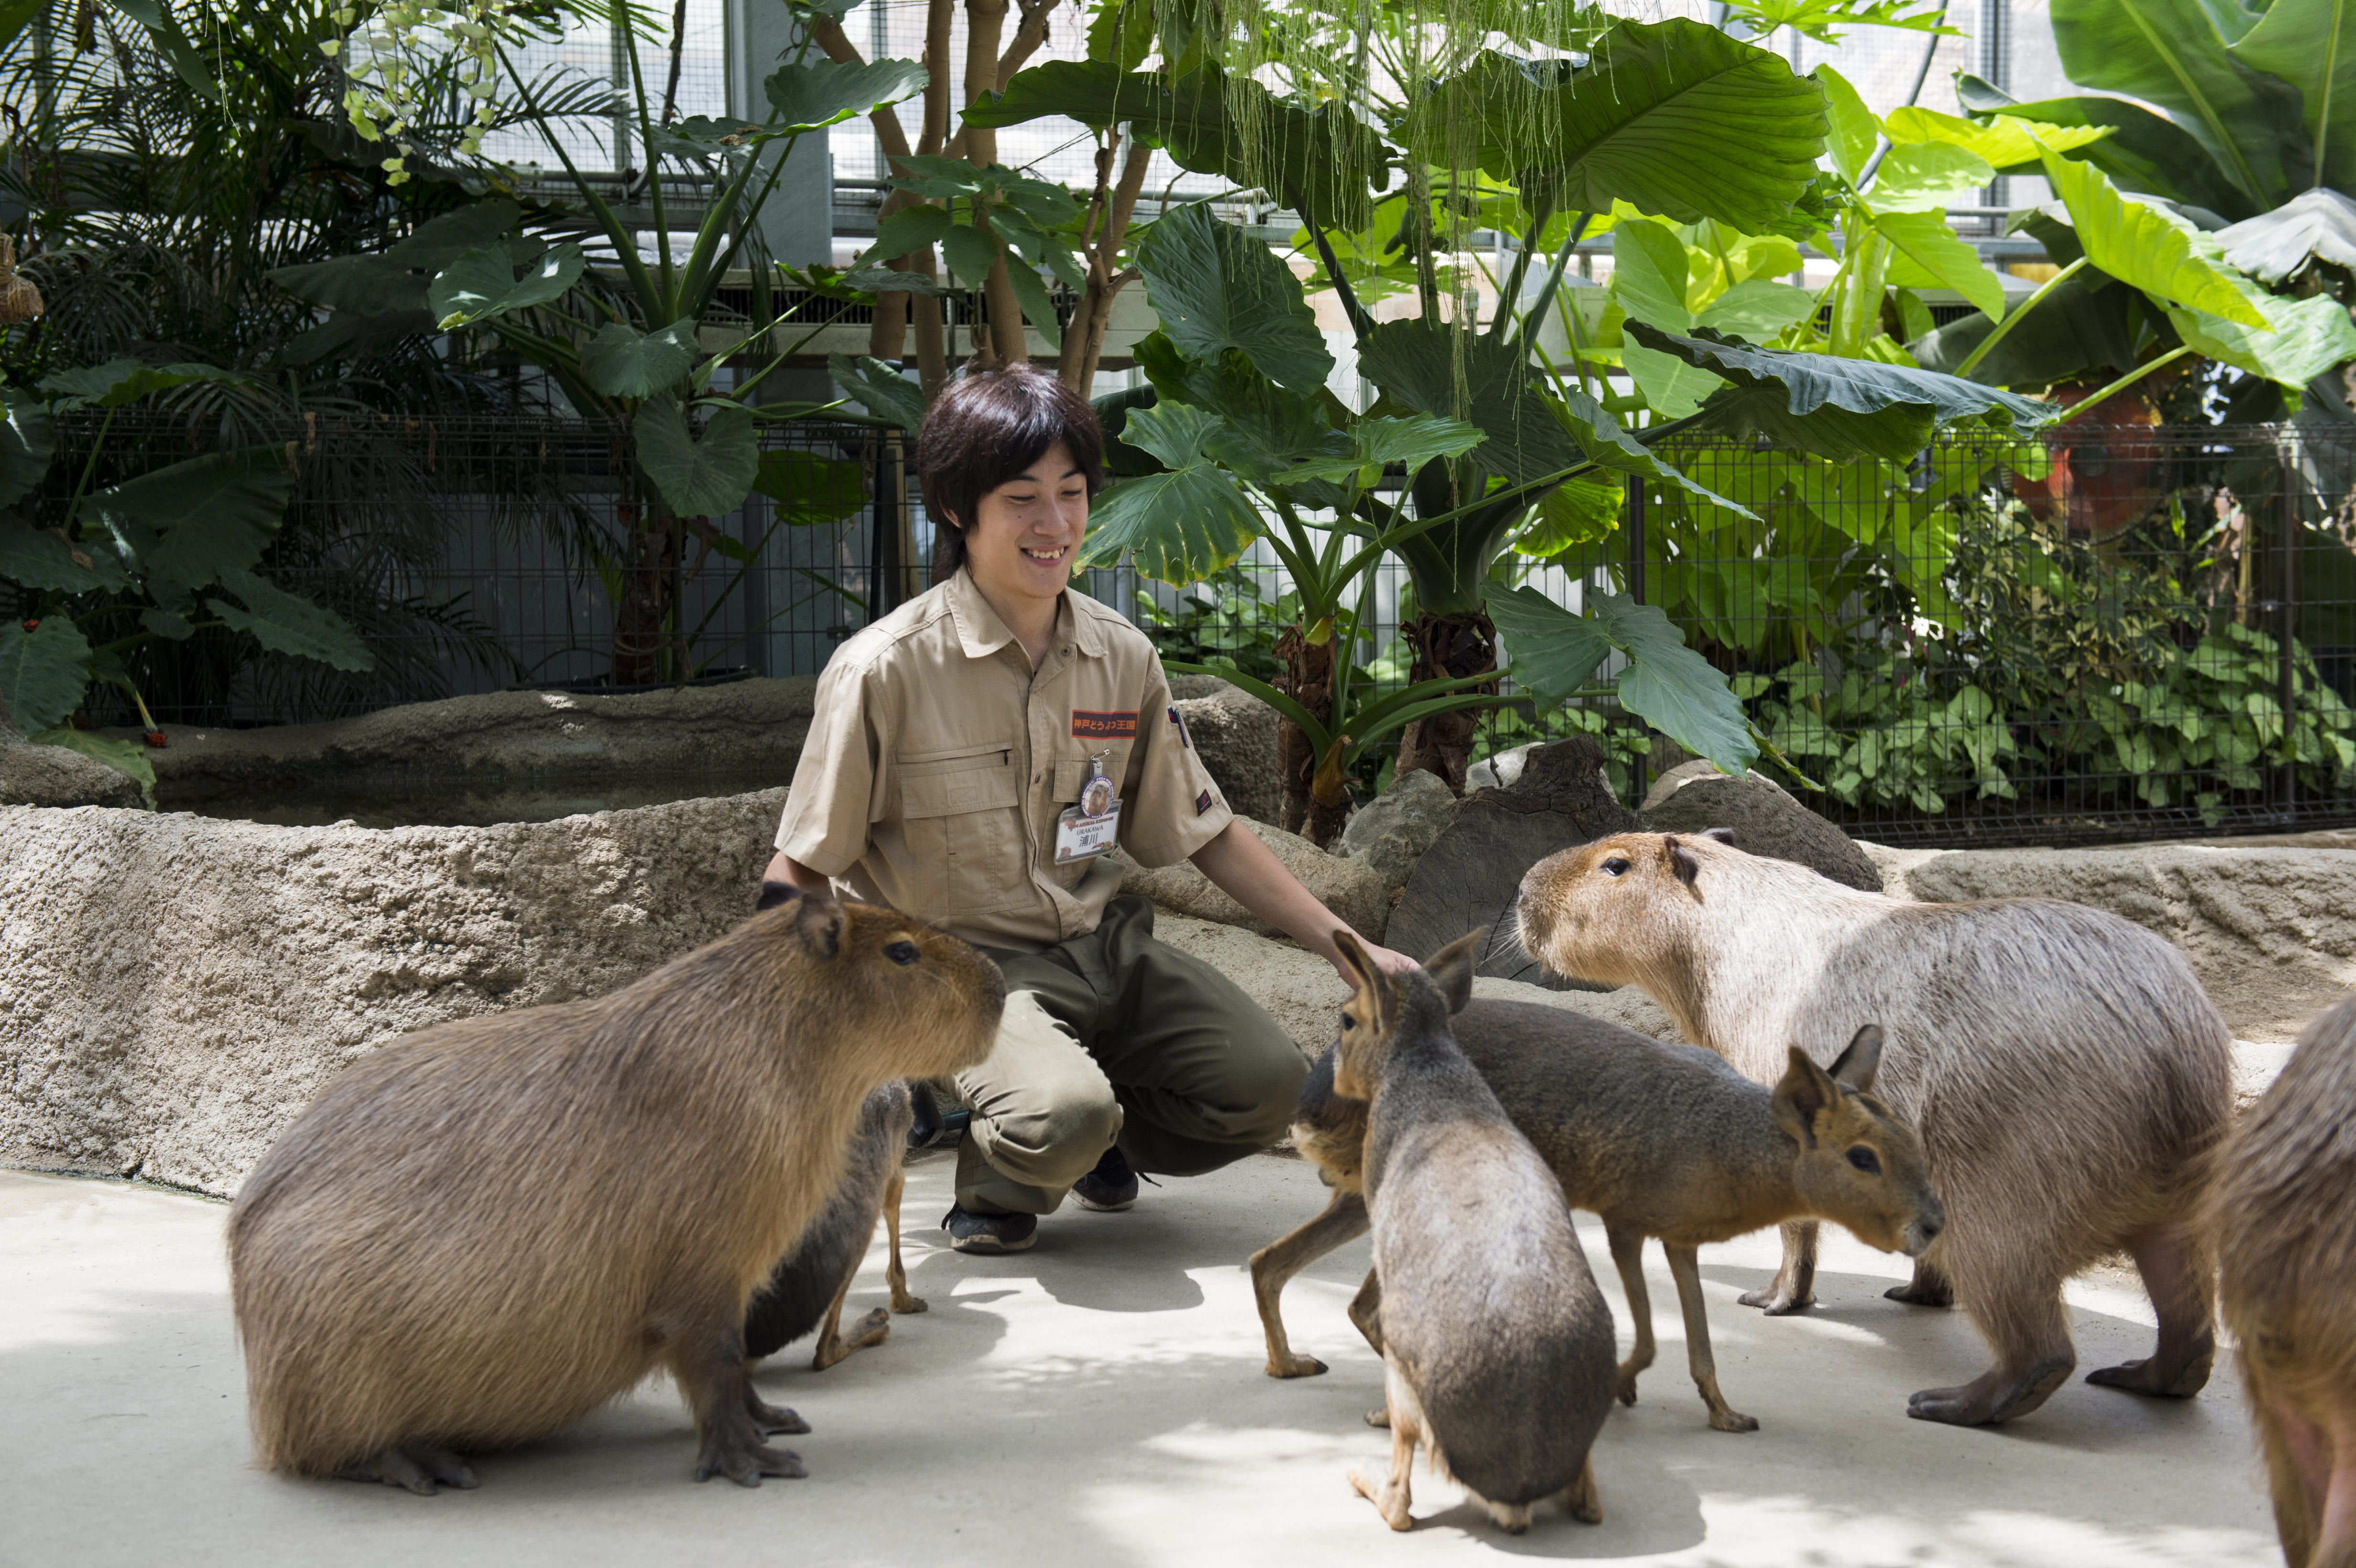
(1805, 1091)
(1684, 864)
(1855, 1066)
(775, 893)
(819, 922)
(1377, 1001)
(1451, 967)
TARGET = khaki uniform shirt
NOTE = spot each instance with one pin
(938, 763)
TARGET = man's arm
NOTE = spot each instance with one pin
(1247, 872)
(784, 868)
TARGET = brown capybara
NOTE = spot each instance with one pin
(2068, 1077)
(2283, 1218)
(486, 1230)
(1497, 1351)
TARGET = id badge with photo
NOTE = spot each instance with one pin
(1091, 827)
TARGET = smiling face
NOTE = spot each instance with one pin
(1024, 533)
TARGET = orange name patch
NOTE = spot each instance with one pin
(1088, 726)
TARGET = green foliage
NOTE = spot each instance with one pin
(698, 475)
(44, 670)
(1216, 288)
(123, 756)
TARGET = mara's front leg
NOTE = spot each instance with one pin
(1793, 1289)
(1273, 1266)
(1628, 1257)
(1684, 1266)
(895, 1274)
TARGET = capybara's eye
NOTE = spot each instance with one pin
(1614, 866)
(1866, 1160)
(901, 953)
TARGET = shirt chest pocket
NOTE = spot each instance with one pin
(962, 814)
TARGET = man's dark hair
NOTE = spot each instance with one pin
(985, 428)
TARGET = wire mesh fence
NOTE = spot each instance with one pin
(2108, 633)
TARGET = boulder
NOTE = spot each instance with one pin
(1343, 885)
(1390, 833)
(55, 775)
(1471, 872)
(1764, 819)
(1235, 734)
(1501, 771)
(174, 988)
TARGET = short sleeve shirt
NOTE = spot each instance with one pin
(939, 761)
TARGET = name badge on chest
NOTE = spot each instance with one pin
(1091, 827)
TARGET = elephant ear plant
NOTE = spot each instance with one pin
(162, 555)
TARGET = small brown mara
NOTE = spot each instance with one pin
(483, 1231)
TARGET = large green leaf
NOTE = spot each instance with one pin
(1606, 443)
(699, 477)
(818, 93)
(1666, 683)
(971, 251)
(2307, 337)
(120, 381)
(1852, 131)
(1180, 525)
(1038, 309)
(881, 387)
(1482, 380)
(28, 440)
(1757, 308)
(43, 672)
(623, 362)
(123, 756)
(41, 558)
(2144, 152)
(1673, 117)
(1121, 32)
(1376, 443)
(910, 228)
(1938, 258)
(2142, 246)
(483, 283)
(289, 623)
(188, 63)
(1840, 408)
(2317, 224)
(396, 280)
(2169, 53)
(1214, 288)
(1649, 278)
(2091, 325)
(810, 490)
(182, 526)
(2312, 43)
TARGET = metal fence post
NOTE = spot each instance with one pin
(1641, 773)
(891, 491)
(2287, 508)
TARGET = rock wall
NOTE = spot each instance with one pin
(174, 988)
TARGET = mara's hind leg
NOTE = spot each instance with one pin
(832, 1343)
(420, 1468)
(708, 1360)
(1580, 1499)
(894, 1274)
(1391, 1496)
(1628, 1257)
(1723, 1416)
(1928, 1287)
(2181, 1281)
(2015, 1300)
(1366, 1311)
(1273, 1266)
(1793, 1289)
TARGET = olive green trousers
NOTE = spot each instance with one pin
(1139, 1045)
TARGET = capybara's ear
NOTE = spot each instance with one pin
(1451, 968)
(819, 922)
(1855, 1067)
(1682, 862)
(1718, 835)
(1806, 1090)
(775, 893)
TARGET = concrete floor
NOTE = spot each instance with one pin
(1100, 1400)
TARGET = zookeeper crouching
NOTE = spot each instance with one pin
(973, 755)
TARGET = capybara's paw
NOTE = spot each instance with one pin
(1293, 1364)
(1777, 1302)
(2149, 1376)
(1389, 1501)
(769, 1419)
(1918, 1292)
(1995, 1395)
(745, 1462)
(420, 1468)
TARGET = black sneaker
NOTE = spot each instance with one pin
(1111, 1188)
(972, 1233)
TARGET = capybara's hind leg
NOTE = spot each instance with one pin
(894, 1274)
(1628, 1256)
(1928, 1287)
(419, 1467)
(1273, 1266)
(729, 1418)
(1391, 1496)
(2018, 1307)
(1723, 1416)
(1793, 1289)
(1580, 1499)
(2181, 1281)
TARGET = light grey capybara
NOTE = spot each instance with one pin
(2068, 1077)
(1497, 1348)
(2283, 1218)
(483, 1231)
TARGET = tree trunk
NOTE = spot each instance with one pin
(1107, 226)
(1308, 680)
(639, 619)
(1446, 647)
